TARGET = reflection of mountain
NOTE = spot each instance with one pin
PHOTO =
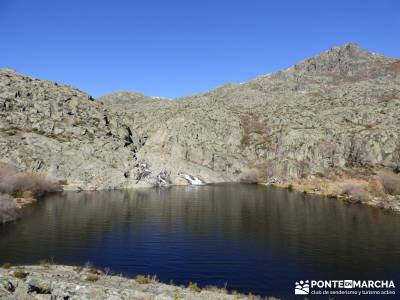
(210, 234)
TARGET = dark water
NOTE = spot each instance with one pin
(249, 237)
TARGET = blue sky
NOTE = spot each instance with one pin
(179, 47)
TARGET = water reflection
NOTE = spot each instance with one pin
(251, 237)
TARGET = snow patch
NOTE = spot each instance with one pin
(160, 98)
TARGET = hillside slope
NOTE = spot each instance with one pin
(337, 110)
(61, 132)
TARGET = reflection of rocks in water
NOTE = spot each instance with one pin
(184, 229)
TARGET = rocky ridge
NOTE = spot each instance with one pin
(335, 111)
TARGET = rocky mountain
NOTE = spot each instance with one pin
(62, 132)
(339, 109)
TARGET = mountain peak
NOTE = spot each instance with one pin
(348, 59)
(350, 51)
(350, 46)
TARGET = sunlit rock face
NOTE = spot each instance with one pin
(338, 109)
(63, 133)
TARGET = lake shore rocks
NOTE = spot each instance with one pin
(47, 281)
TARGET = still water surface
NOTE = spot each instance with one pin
(248, 237)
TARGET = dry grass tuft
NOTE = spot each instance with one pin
(194, 287)
(146, 279)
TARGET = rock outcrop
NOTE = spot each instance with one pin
(63, 133)
(339, 109)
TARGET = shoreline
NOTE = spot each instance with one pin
(73, 282)
(388, 205)
(368, 190)
(312, 186)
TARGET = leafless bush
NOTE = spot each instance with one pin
(355, 191)
(250, 176)
(14, 183)
(8, 209)
(390, 182)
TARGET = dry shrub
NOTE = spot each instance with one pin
(44, 263)
(390, 182)
(355, 191)
(14, 183)
(194, 287)
(250, 176)
(375, 186)
(8, 209)
(20, 274)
